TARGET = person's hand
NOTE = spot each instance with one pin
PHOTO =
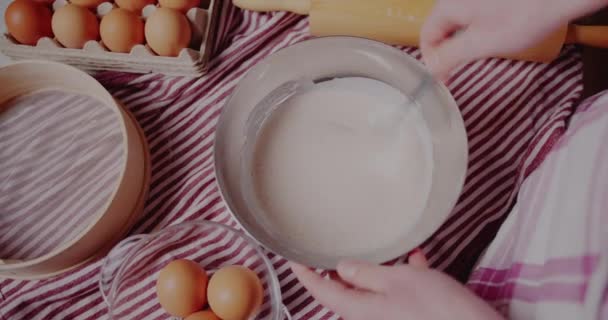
(459, 31)
(414, 291)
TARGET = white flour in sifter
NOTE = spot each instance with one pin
(344, 168)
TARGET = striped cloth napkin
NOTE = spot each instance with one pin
(550, 257)
(514, 112)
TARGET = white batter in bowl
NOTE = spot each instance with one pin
(350, 168)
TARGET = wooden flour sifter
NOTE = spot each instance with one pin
(400, 22)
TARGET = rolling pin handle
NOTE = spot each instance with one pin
(592, 36)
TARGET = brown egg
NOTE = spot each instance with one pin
(168, 32)
(28, 21)
(235, 293)
(121, 30)
(134, 5)
(181, 288)
(203, 315)
(74, 26)
(87, 3)
(181, 5)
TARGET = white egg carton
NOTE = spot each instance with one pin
(96, 57)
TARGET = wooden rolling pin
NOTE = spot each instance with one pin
(400, 21)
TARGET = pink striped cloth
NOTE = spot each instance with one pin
(514, 113)
(550, 258)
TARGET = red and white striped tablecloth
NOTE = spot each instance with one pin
(513, 111)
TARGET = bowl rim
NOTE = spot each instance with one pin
(220, 168)
(274, 286)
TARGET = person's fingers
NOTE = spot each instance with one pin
(365, 276)
(332, 294)
(418, 259)
(438, 27)
(440, 52)
(453, 52)
(333, 275)
(446, 19)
